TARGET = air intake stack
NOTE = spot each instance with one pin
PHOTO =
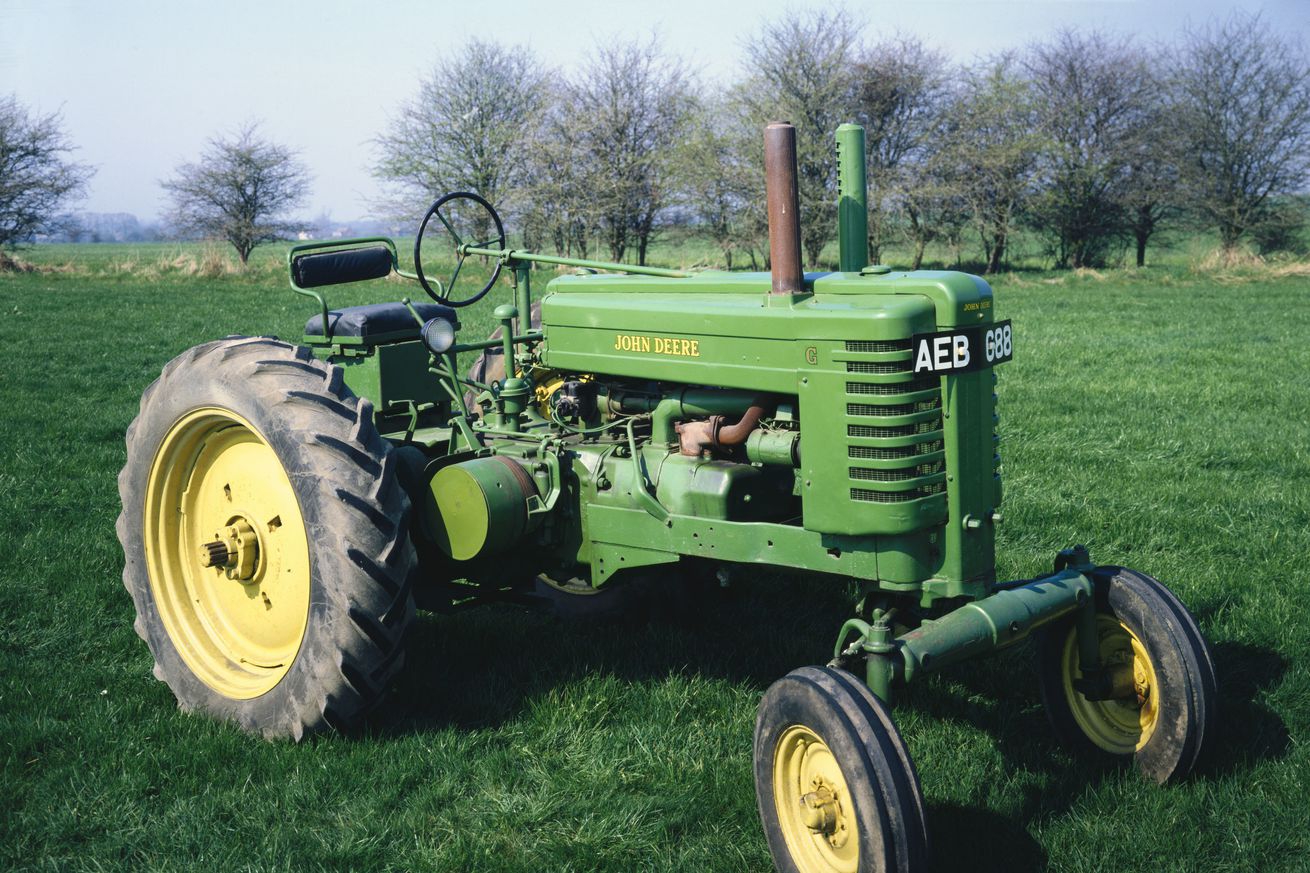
(852, 200)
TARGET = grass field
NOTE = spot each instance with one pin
(1162, 417)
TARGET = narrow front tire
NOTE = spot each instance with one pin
(836, 789)
(1162, 674)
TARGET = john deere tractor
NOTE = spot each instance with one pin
(285, 505)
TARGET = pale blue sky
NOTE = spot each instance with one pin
(143, 83)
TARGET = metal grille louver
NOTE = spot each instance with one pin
(926, 478)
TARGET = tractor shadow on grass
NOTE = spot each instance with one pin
(1246, 730)
(482, 668)
(974, 839)
(1249, 731)
(986, 696)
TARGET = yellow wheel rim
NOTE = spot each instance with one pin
(1123, 724)
(217, 494)
(813, 805)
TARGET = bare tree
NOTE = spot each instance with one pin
(990, 143)
(800, 71)
(1240, 98)
(931, 201)
(467, 129)
(1150, 195)
(1091, 92)
(720, 184)
(899, 88)
(239, 191)
(37, 181)
(630, 106)
(559, 204)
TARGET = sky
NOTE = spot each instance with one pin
(142, 84)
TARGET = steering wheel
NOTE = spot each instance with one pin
(497, 242)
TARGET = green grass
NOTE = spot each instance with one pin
(1162, 417)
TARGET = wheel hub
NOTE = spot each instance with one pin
(235, 549)
(1124, 722)
(819, 809)
(220, 508)
(813, 803)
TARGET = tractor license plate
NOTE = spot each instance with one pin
(964, 349)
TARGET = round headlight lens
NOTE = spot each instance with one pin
(438, 335)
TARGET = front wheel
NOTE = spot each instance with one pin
(265, 539)
(1161, 674)
(836, 789)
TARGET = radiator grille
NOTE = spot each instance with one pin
(877, 345)
(890, 481)
(870, 432)
(875, 454)
(880, 389)
(877, 366)
(867, 495)
(864, 474)
(892, 408)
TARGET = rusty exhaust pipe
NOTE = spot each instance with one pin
(783, 195)
(714, 433)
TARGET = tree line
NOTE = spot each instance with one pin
(1088, 142)
(1091, 142)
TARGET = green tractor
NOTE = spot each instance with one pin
(285, 506)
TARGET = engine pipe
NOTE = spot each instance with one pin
(852, 200)
(694, 403)
(783, 195)
(696, 436)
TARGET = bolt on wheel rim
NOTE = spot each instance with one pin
(813, 804)
(227, 553)
(1124, 724)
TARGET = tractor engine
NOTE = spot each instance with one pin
(845, 419)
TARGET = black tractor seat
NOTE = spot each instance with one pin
(377, 321)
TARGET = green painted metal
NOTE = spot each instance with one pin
(476, 507)
(991, 623)
(861, 471)
(852, 200)
(975, 629)
(689, 403)
(780, 447)
(518, 256)
(880, 456)
(394, 376)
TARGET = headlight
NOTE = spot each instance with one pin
(438, 335)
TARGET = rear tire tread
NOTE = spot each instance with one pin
(367, 582)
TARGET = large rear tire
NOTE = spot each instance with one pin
(265, 537)
(836, 789)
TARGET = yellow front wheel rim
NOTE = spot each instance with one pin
(227, 553)
(813, 804)
(1124, 724)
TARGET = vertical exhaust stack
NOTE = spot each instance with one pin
(783, 195)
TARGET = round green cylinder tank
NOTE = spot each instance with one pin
(479, 506)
